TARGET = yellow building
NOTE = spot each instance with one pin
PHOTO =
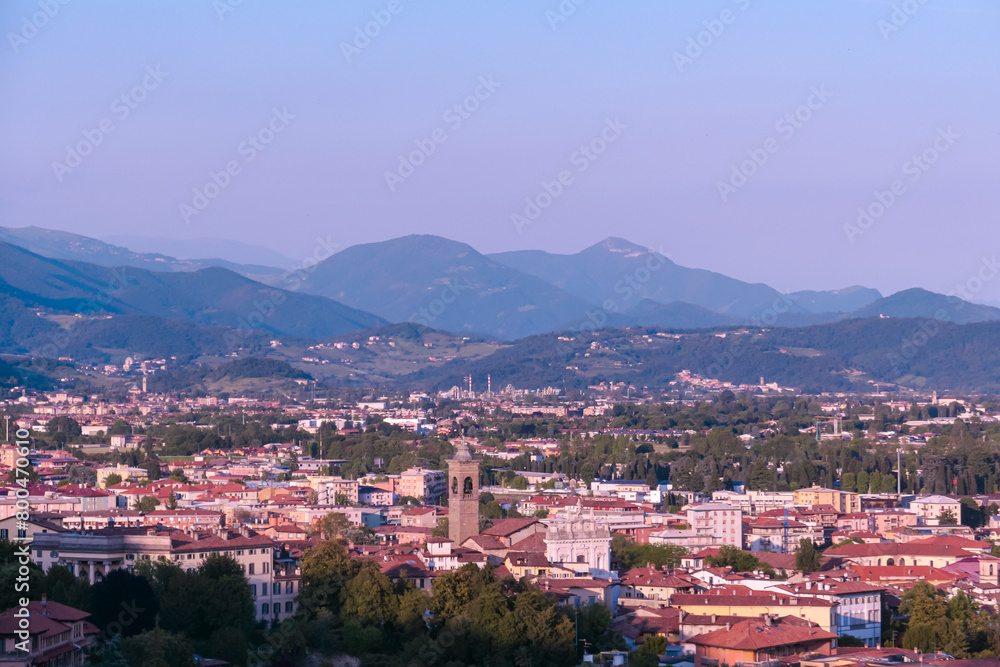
(126, 473)
(725, 603)
(842, 501)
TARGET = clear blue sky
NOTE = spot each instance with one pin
(891, 91)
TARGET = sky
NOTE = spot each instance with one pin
(807, 145)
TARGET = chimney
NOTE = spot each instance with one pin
(767, 620)
(45, 604)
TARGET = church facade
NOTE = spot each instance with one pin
(579, 541)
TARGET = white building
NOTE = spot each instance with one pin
(753, 503)
(929, 508)
(579, 542)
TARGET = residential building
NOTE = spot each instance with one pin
(333, 487)
(717, 520)
(859, 604)
(743, 602)
(419, 483)
(778, 535)
(845, 502)
(57, 635)
(759, 641)
(929, 508)
(125, 472)
(931, 552)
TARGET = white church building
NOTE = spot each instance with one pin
(579, 542)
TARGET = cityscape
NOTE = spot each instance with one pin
(540, 334)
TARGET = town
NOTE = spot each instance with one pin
(754, 528)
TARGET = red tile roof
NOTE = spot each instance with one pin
(756, 634)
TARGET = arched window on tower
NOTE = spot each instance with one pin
(454, 485)
(468, 486)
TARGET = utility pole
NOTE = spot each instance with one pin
(7, 419)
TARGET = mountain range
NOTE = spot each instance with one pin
(435, 282)
(209, 297)
(613, 312)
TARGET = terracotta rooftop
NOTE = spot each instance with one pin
(756, 634)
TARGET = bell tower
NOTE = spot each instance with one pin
(463, 495)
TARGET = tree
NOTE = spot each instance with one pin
(17, 474)
(739, 560)
(332, 525)
(369, 597)
(848, 482)
(654, 644)
(112, 479)
(147, 504)
(972, 515)
(632, 555)
(125, 599)
(862, 482)
(158, 648)
(807, 559)
(520, 482)
(947, 518)
(218, 589)
(172, 501)
(152, 468)
(326, 569)
(491, 510)
(68, 426)
(120, 427)
(761, 477)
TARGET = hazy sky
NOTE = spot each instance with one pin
(833, 99)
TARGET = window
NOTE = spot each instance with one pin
(253, 590)
(251, 568)
(290, 587)
(3, 533)
(288, 606)
(277, 588)
(265, 608)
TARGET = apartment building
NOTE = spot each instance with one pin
(717, 520)
(330, 488)
(753, 503)
(844, 502)
(779, 536)
(859, 604)
(96, 553)
(726, 602)
(423, 483)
